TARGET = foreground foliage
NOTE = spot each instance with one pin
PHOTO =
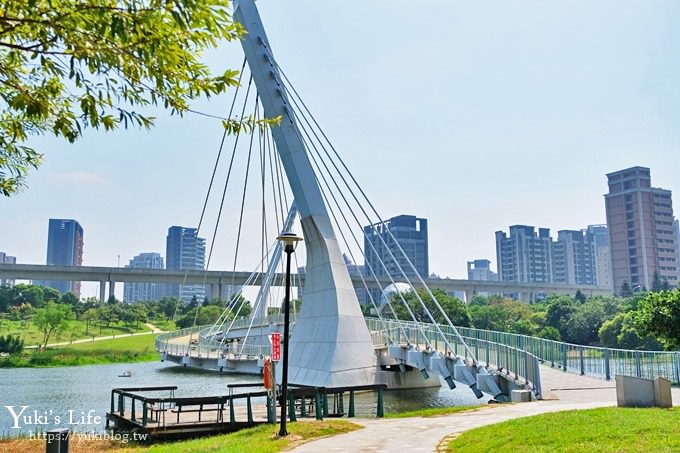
(609, 429)
(659, 314)
(69, 65)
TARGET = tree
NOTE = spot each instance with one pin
(205, 316)
(454, 308)
(610, 330)
(580, 297)
(169, 306)
(89, 315)
(658, 314)
(52, 319)
(73, 301)
(549, 333)
(559, 311)
(625, 289)
(656, 282)
(11, 344)
(74, 64)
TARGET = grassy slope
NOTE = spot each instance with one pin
(76, 330)
(138, 348)
(609, 429)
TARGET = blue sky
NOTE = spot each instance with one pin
(475, 115)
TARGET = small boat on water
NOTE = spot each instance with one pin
(126, 374)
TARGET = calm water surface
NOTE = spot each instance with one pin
(79, 397)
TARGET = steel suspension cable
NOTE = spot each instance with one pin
(427, 289)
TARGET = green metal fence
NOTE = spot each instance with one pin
(603, 363)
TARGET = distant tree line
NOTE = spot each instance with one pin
(50, 311)
(645, 320)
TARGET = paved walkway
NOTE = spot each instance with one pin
(562, 391)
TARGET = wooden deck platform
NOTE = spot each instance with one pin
(169, 417)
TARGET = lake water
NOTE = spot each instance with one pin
(79, 397)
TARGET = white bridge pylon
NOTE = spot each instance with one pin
(331, 345)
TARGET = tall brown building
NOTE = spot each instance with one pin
(641, 237)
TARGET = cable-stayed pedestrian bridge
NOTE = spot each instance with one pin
(407, 354)
(509, 360)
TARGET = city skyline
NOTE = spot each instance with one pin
(534, 106)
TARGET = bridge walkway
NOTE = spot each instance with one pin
(563, 391)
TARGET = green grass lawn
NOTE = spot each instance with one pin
(261, 439)
(76, 330)
(610, 429)
(138, 348)
(167, 325)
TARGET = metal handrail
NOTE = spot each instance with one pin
(593, 361)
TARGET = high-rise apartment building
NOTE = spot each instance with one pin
(7, 259)
(478, 270)
(380, 239)
(144, 291)
(185, 250)
(641, 236)
(574, 258)
(64, 248)
(382, 242)
(481, 270)
(524, 255)
(600, 239)
(676, 226)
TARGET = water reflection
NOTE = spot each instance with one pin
(56, 397)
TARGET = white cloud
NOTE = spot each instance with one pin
(78, 178)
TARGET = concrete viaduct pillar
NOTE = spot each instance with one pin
(112, 289)
(102, 291)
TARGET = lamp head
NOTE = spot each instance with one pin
(289, 240)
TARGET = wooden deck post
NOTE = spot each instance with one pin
(325, 403)
(250, 411)
(381, 411)
(121, 405)
(291, 406)
(317, 404)
(303, 407)
(145, 414)
(270, 410)
(350, 414)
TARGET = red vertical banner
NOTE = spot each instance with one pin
(276, 346)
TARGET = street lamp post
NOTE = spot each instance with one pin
(289, 240)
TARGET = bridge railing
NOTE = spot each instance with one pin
(598, 362)
(593, 361)
(521, 365)
(205, 348)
